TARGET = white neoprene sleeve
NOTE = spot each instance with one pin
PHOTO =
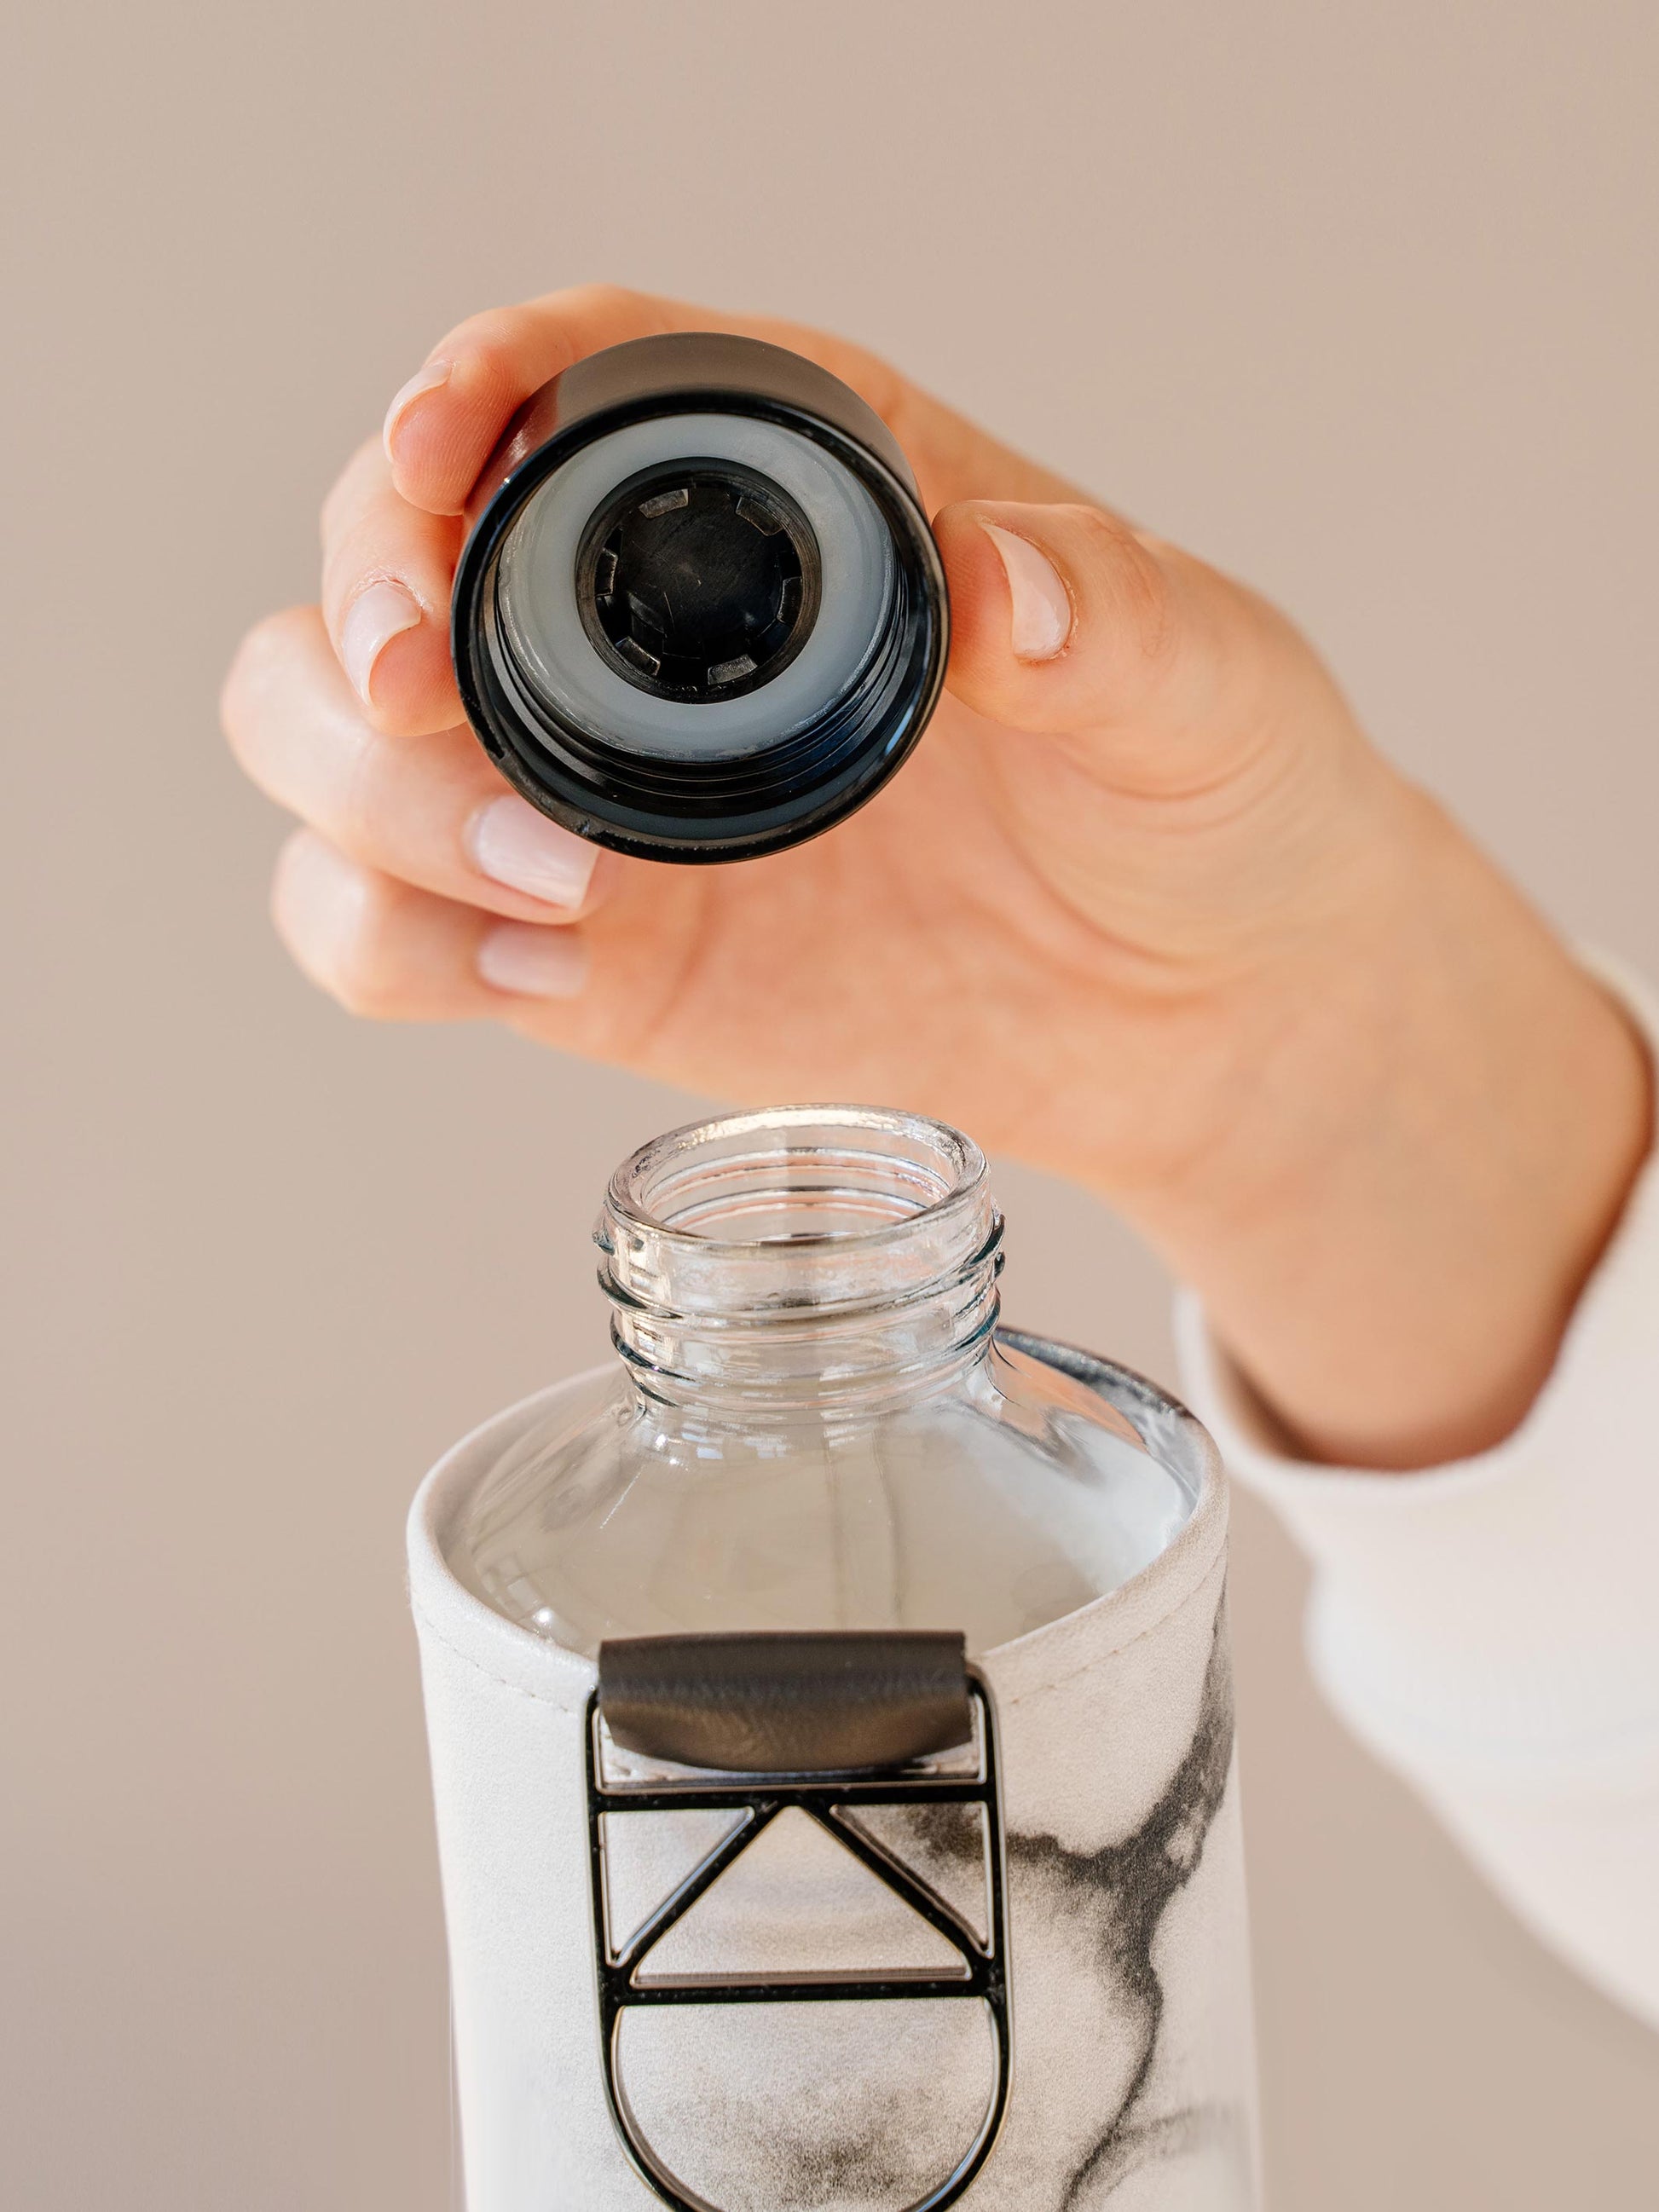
(1134, 2070)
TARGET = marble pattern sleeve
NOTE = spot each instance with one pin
(1490, 1628)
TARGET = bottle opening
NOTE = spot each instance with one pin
(866, 1237)
(797, 1173)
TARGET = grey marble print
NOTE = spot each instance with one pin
(827, 2114)
(1134, 2074)
(1116, 1900)
(1101, 1911)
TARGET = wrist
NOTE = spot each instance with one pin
(1442, 1118)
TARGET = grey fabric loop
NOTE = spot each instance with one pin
(785, 1703)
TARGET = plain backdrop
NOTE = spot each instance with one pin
(1357, 301)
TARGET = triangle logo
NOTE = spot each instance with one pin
(945, 1845)
(796, 1904)
(648, 1856)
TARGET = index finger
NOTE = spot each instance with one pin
(388, 569)
(445, 423)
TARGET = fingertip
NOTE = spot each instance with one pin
(1040, 611)
(394, 651)
(533, 960)
(317, 897)
(413, 692)
(381, 948)
(981, 612)
(382, 611)
(1008, 595)
(433, 378)
(442, 426)
(258, 652)
(311, 875)
(1060, 614)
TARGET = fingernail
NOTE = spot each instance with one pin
(374, 617)
(1042, 605)
(430, 378)
(533, 963)
(511, 843)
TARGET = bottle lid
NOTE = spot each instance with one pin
(700, 615)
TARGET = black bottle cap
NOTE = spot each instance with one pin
(700, 615)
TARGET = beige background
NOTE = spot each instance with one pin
(1359, 301)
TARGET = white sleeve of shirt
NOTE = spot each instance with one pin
(1490, 1628)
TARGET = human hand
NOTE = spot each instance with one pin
(1145, 907)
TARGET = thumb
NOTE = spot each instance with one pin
(1064, 620)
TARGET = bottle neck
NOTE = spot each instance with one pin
(801, 1261)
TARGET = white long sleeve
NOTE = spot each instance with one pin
(1490, 1628)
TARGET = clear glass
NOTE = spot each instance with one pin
(812, 1423)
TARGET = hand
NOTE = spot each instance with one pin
(1145, 908)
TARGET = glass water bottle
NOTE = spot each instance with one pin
(832, 1724)
(812, 1423)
